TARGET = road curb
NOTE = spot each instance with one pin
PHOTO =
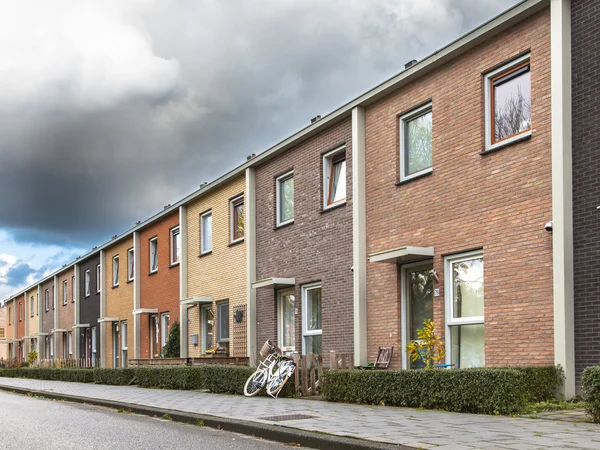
(276, 433)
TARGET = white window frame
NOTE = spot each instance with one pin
(98, 278)
(51, 345)
(153, 243)
(278, 209)
(175, 236)
(73, 289)
(87, 281)
(221, 305)
(280, 324)
(115, 271)
(47, 300)
(32, 306)
(124, 335)
(449, 300)
(65, 291)
(403, 121)
(487, 105)
(204, 250)
(130, 265)
(164, 333)
(305, 331)
(232, 204)
(70, 343)
(327, 163)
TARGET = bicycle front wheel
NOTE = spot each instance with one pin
(277, 384)
(254, 383)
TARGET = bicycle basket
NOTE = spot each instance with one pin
(266, 349)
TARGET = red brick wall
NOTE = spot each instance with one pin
(21, 316)
(498, 202)
(161, 289)
(317, 247)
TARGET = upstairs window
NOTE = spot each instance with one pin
(115, 271)
(175, 246)
(10, 315)
(47, 299)
(153, 255)
(285, 198)
(334, 177)
(237, 218)
(73, 289)
(98, 277)
(508, 103)
(20, 311)
(32, 309)
(130, 265)
(65, 290)
(415, 142)
(87, 282)
(206, 233)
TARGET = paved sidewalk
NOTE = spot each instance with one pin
(410, 427)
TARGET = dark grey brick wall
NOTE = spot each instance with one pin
(89, 309)
(585, 16)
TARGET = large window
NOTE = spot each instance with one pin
(286, 322)
(87, 281)
(236, 212)
(334, 177)
(206, 233)
(130, 265)
(508, 103)
(223, 322)
(65, 291)
(153, 255)
(98, 277)
(311, 319)
(115, 271)
(415, 142)
(285, 198)
(175, 246)
(464, 309)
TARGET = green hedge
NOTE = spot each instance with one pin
(541, 382)
(74, 375)
(590, 389)
(486, 391)
(115, 377)
(185, 378)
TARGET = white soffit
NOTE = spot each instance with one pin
(402, 255)
(276, 283)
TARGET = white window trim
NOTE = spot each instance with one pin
(203, 250)
(280, 324)
(172, 233)
(98, 278)
(65, 291)
(47, 300)
(278, 210)
(218, 330)
(448, 300)
(305, 331)
(118, 266)
(154, 241)
(123, 335)
(404, 119)
(231, 225)
(327, 159)
(87, 279)
(488, 118)
(130, 257)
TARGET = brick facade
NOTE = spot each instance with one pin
(160, 289)
(66, 318)
(119, 302)
(47, 319)
(3, 338)
(10, 326)
(89, 310)
(33, 321)
(220, 274)
(20, 322)
(585, 23)
(317, 247)
(497, 202)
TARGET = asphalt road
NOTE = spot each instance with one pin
(31, 423)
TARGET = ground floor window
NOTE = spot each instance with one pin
(123, 344)
(154, 336)
(286, 329)
(464, 309)
(93, 346)
(70, 344)
(165, 324)
(223, 325)
(311, 319)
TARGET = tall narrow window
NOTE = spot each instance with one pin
(334, 177)
(206, 233)
(47, 299)
(10, 315)
(223, 323)
(2, 333)
(285, 198)
(130, 265)
(508, 103)
(123, 344)
(175, 246)
(65, 290)
(70, 339)
(32, 309)
(415, 142)
(311, 319)
(165, 325)
(98, 277)
(464, 310)
(88, 282)
(20, 311)
(237, 218)
(53, 297)
(287, 327)
(153, 255)
(51, 344)
(73, 289)
(115, 271)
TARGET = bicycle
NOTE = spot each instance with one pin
(273, 371)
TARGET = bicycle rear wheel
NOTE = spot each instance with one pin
(277, 384)
(255, 383)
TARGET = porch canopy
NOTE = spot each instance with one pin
(402, 255)
(58, 330)
(195, 300)
(81, 325)
(137, 312)
(108, 319)
(275, 283)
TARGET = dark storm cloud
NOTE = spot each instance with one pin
(197, 86)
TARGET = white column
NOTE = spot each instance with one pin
(562, 192)
(136, 296)
(359, 235)
(40, 345)
(102, 344)
(183, 281)
(76, 314)
(250, 238)
(55, 305)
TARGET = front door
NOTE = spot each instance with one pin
(286, 328)
(88, 347)
(154, 333)
(116, 345)
(417, 305)
(208, 327)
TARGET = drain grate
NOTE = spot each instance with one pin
(287, 417)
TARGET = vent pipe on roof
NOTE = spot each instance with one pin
(315, 119)
(252, 156)
(166, 206)
(409, 64)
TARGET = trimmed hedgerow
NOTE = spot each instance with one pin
(115, 377)
(541, 382)
(590, 389)
(184, 378)
(485, 391)
(73, 375)
(226, 379)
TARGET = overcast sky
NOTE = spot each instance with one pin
(111, 109)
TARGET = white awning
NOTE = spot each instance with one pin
(195, 300)
(59, 330)
(108, 319)
(276, 283)
(81, 325)
(137, 312)
(402, 255)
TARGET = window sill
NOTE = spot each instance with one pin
(283, 225)
(153, 273)
(130, 281)
(201, 255)
(423, 175)
(523, 138)
(332, 207)
(115, 286)
(234, 243)
(174, 265)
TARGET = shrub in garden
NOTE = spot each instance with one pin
(173, 347)
(590, 386)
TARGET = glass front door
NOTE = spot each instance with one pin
(287, 323)
(208, 326)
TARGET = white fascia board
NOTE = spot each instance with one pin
(283, 282)
(136, 312)
(404, 254)
(108, 319)
(195, 300)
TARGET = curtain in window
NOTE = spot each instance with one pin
(338, 181)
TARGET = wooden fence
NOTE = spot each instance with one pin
(81, 363)
(308, 378)
(238, 361)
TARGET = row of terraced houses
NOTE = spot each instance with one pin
(453, 191)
